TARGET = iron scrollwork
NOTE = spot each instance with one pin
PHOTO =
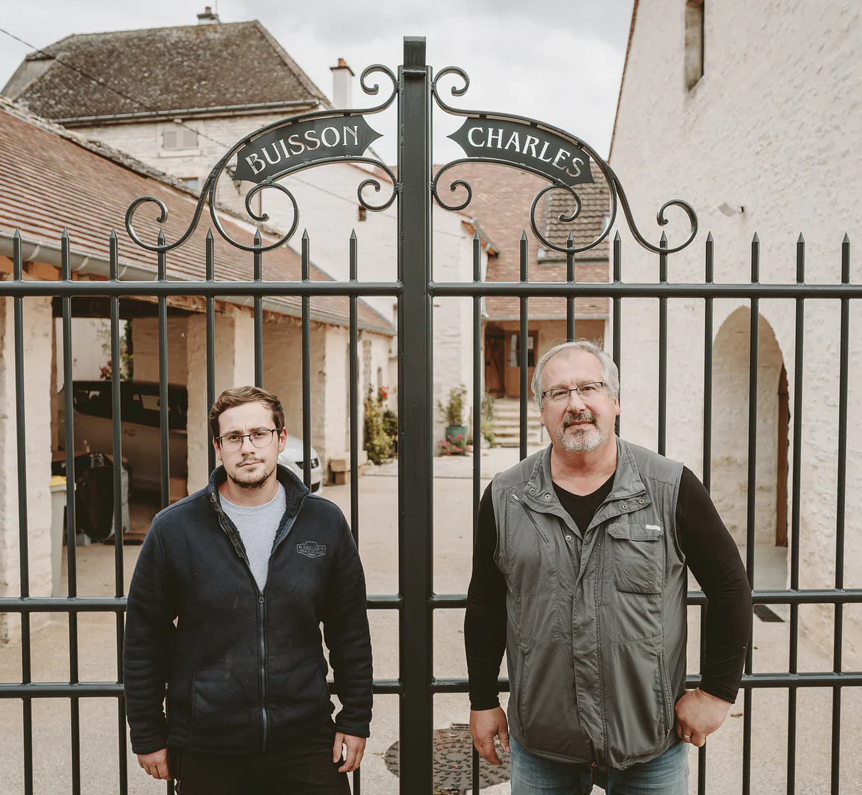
(208, 194)
(617, 195)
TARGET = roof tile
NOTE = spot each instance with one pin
(71, 184)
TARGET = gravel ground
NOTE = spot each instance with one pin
(378, 545)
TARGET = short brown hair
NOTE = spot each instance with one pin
(231, 398)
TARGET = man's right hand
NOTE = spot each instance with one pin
(485, 725)
(156, 764)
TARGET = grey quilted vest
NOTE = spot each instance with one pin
(595, 651)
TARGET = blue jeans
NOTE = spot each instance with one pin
(534, 775)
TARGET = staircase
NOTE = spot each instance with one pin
(507, 419)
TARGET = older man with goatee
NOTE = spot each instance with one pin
(580, 574)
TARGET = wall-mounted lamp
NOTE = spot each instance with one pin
(731, 209)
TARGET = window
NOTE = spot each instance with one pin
(515, 348)
(191, 182)
(694, 10)
(178, 136)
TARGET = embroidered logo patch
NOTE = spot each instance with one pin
(311, 549)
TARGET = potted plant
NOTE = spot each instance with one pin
(452, 414)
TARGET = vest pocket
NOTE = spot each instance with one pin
(638, 557)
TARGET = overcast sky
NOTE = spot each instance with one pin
(559, 61)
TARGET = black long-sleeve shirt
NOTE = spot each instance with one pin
(710, 553)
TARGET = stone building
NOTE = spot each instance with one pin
(178, 98)
(752, 113)
(52, 180)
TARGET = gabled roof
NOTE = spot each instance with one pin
(85, 188)
(200, 67)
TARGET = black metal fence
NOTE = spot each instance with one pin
(415, 291)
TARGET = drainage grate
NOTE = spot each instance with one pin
(453, 762)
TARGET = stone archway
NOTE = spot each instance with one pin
(730, 429)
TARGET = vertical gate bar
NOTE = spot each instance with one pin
(66, 274)
(570, 278)
(258, 314)
(793, 667)
(415, 340)
(841, 496)
(750, 514)
(164, 416)
(117, 451)
(306, 368)
(210, 304)
(117, 440)
(164, 408)
(23, 530)
(164, 413)
(478, 396)
(662, 351)
(707, 458)
(708, 322)
(353, 392)
(617, 304)
(522, 359)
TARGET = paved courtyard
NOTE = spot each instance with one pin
(378, 545)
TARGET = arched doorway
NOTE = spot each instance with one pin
(730, 400)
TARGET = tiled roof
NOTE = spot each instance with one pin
(196, 66)
(52, 180)
(595, 204)
(501, 203)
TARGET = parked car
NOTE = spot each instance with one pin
(139, 426)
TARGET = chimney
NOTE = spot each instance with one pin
(207, 17)
(342, 85)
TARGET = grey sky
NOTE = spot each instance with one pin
(556, 61)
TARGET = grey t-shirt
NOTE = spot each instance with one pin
(257, 527)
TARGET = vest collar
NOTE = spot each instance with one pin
(627, 494)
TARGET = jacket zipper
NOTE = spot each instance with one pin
(262, 602)
(261, 613)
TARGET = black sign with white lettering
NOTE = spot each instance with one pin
(525, 145)
(301, 143)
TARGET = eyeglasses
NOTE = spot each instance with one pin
(585, 392)
(231, 442)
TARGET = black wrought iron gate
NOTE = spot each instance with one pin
(414, 187)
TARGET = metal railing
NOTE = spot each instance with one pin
(415, 291)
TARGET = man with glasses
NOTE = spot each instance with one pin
(249, 568)
(580, 574)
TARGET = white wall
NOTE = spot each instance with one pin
(773, 125)
(145, 345)
(37, 378)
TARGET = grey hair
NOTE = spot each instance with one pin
(610, 373)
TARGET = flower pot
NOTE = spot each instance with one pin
(457, 434)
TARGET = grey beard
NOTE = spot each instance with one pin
(584, 441)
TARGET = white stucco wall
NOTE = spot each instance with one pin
(772, 126)
(234, 338)
(145, 345)
(38, 342)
